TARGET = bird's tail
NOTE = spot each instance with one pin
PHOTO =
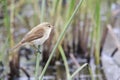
(15, 47)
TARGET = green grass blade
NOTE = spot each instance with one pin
(7, 21)
(38, 54)
(37, 65)
(60, 37)
(98, 34)
(79, 69)
(65, 61)
(71, 9)
(42, 11)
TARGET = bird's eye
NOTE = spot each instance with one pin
(48, 25)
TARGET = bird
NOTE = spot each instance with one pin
(37, 35)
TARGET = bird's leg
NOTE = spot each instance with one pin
(39, 49)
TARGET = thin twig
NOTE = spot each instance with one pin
(26, 73)
(74, 60)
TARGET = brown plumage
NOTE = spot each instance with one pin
(38, 35)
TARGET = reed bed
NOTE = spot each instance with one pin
(78, 31)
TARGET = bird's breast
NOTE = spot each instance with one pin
(41, 40)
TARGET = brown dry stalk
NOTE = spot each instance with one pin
(74, 60)
(114, 36)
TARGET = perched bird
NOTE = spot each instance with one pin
(37, 36)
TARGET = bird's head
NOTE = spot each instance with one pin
(47, 25)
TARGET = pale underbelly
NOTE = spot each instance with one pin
(40, 41)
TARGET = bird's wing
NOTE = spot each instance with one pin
(32, 35)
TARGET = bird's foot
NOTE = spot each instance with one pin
(39, 49)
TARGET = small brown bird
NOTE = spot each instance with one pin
(38, 35)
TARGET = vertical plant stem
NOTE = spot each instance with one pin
(37, 66)
(91, 74)
(42, 10)
(60, 37)
(71, 8)
(38, 54)
(7, 21)
(37, 63)
(37, 11)
(11, 23)
(98, 35)
(65, 61)
(54, 9)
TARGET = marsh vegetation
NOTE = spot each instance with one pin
(86, 34)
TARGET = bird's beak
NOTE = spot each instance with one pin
(53, 28)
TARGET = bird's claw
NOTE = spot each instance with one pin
(39, 51)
